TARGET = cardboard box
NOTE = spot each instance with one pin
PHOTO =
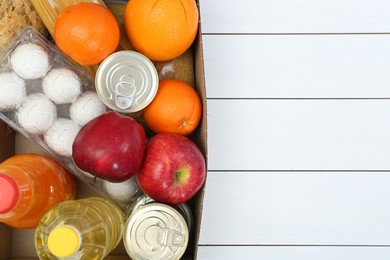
(19, 244)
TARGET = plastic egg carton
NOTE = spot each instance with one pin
(47, 98)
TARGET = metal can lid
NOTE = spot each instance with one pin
(126, 81)
(156, 231)
(183, 208)
(141, 201)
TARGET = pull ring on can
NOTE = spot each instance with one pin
(126, 81)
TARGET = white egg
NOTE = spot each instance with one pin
(12, 90)
(30, 61)
(122, 191)
(61, 85)
(36, 114)
(60, 136)
(86, 107)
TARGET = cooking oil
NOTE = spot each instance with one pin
(80, 229)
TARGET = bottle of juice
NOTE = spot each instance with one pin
(80, 229)
(30, 184)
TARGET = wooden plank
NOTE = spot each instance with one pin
(298, 134)
(296, 208)
(292, 253)
(296, 66)
(295, 16)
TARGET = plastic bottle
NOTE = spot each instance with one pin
(81, 229)
(30, 184)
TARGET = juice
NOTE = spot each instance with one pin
(30, 184)
(81, 229)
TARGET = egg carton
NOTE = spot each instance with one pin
(47, 97)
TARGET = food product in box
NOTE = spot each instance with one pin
(86, 107)
(30, 184)
(86, 32)
(155, 231)
(15, 15)
(30, 61)
(183, 208)
(49, 10)
(126, 81)
(110, 147)
(60, 136)
(61, 85)
(161, 30)
(176, 108)
(181, 68)
(173, 170)
(36, 114)
(40, 114)
(126, 191)
(12, 90)
(49, 79)
(80, 229)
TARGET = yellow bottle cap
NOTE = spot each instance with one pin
(64, 241)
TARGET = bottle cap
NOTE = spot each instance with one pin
(64, 241)
(126, 81)
(9, 193)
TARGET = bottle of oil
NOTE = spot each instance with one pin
(80, 229)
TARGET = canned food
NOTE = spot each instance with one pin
(126, 81)
(156, 231)
(183, 209)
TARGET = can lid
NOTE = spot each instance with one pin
(9, 193)
(126, 81)
(141, 201)
(64, 241)
(183, 208)
(156, 231)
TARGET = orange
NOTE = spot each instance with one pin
(161, 29)
(86, 32)
(176, 108)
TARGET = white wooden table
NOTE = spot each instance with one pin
(298, 100)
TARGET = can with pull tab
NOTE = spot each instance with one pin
(184, 209)
(156, 231)
(126, 81)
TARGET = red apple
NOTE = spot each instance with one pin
(110, 147)
(173, 170)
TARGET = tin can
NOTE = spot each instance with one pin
(155, 231)
(126, 81)
(184, 209)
